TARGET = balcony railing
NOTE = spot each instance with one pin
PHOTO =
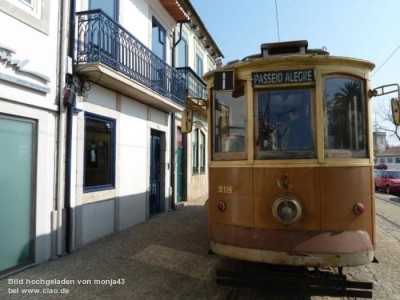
(101, 39)
(195, 86)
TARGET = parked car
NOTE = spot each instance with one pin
(388, 180)
(381, 167)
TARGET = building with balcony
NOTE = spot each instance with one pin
(196, 53)
(29, 86)
(90, 119)
(123, 126)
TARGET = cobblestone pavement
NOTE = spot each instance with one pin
(167, 257)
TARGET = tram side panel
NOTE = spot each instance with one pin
(341, 189)
(231, 186)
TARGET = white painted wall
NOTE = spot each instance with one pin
(136, 19)
(41, 51)
(133, 156)
(33, 37)
(127, 203)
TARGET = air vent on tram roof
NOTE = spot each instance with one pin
(284, 48)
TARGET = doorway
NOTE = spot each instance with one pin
(179, 166)
(17, 190)
(155, 172)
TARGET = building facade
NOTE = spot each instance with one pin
(388, 157)
(91, 118)
(29, 98)
(380, 142)
(196, 53)
(124, 130)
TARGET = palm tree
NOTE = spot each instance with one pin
(344, 120)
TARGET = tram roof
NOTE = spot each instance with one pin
(279, 58)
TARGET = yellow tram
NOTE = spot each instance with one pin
(291, 158)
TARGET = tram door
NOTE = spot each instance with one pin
(155, 168)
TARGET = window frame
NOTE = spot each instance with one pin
(202, 152)
(161, 28)
(195, 151)
(198, 152)
(182, 53)
(240, 87)
(262, 155)
(30, 4)
(36, 15)
(199, 68)
(346, 153)
(115, 14)
(112, 155)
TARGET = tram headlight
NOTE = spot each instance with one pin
(287, 209)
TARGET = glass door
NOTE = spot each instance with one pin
(17, 161)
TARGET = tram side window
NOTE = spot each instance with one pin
(285, 127)
(229, 134)
(345, 117)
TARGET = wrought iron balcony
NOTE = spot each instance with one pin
(101, 40)
(195, 86)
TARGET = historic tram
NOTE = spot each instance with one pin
(291, 158)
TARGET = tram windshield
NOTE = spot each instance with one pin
(285, 124)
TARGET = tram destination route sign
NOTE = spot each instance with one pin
(283, 77)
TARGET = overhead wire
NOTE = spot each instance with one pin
(277, 20)
(387, 59)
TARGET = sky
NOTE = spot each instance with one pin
(365, 29)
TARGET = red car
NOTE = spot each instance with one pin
(388, 180)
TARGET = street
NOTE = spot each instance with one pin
(167, 257)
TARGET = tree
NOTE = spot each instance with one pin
(384, 120)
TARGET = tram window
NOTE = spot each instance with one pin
(284, 128)
(345, 117)
(229, 134)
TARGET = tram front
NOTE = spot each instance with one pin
(291, 158)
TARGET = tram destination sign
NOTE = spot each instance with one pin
(283, 77)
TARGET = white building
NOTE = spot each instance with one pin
(123, 125)
(196, 54)
(28, 131)
(90, 119)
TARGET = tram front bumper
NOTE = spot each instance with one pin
(293, 247)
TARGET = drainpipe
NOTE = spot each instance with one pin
(61, 121)
(173, 160)
(68, 150)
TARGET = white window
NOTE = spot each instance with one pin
(199, 64)
(31, 6)
(35, 13)
(28, 2)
